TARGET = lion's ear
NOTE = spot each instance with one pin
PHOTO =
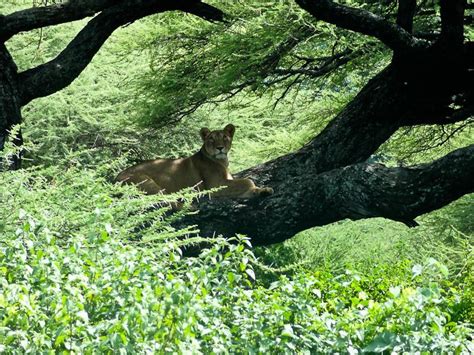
(204, 132)
(229, 129)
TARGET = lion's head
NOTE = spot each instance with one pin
(217, 143)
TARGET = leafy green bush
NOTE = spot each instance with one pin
(77, 275)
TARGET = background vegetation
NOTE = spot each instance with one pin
(79, 272)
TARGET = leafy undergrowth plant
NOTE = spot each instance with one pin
(90, 267)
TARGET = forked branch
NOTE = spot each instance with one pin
(330, 64)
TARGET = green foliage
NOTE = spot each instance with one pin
(72, 280)
(211, 63)
(90, 267)
(207, 60)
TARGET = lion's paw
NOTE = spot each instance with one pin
(265, 191)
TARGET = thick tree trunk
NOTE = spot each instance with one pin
(327, 181)
(357, 191)
(10, 109)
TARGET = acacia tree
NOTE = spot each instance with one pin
(428, 82)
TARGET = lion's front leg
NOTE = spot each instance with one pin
(242, 188)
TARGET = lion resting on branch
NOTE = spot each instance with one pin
(206, 169)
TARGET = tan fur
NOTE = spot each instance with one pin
(205, 170)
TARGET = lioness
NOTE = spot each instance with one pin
(205, 169)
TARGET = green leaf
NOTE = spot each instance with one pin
(287, 331)
(381, 343)
(417, 270)
(395, 291)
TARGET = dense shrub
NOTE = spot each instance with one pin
(76, 274)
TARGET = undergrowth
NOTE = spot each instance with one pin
(84, 270)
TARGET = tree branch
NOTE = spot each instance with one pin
(351, 137)
(330, 64)
(283, 48)
(383, 106)
(406, 11)
(62, 70)
(205, 11)
(452, 22)
(364, 22)
(358, 191)
(37, 17)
